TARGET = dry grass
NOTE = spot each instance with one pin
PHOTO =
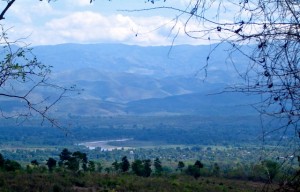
(67, 181)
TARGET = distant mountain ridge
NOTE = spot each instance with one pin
(123, 79)
(155, 61)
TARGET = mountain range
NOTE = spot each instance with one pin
(118, 79)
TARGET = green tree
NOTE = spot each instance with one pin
(271, 169)
(107, 170)
(81, 159)
(2, 161)
(180, 166)
(137, 167)
(116, 165)
(194, 170)
(99, 167)
(64, 156)
(34, 163)
(147, 168)
(11, 165)
(72, 164)
(91, 166)
(198, 164)
(158, 167)
(51, 163)
(125, 165)
(216, 170)
(73, 161)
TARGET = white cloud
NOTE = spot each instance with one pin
(78, 2)
(187, 2)
(66, 22)
(27, 12)
(91, 27)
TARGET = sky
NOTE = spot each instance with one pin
(103, 21)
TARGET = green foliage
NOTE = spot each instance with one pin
(80, 159)
(154, 129)
(216, 170)
(73, 161)
(198, 164)
(158, 166)
(34, 162)
(72, 164)
(194, 170)
(180, 165)
(107, 170)
(68, 181)
(116, 165)
(11, 165)
(125, 165)
(19, 64)
(51, 163)
(64, 181)
(99, 167)
(271, 169)
(147, 168)
(137, 167)
(1, 161)
(91, 166)
(65, 155)
(141, 167)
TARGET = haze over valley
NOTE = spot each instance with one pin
(118, 79)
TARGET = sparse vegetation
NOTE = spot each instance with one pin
(73, 173)
(61, 178)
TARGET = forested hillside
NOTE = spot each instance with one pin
(117, 79)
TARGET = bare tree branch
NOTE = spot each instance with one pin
(22, 76)
(9, 4)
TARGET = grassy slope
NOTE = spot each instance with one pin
(122, 182)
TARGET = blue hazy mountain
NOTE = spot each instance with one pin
(159, 61)
(123, 79)
(225, 104)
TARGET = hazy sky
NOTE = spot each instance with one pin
(78, 21)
